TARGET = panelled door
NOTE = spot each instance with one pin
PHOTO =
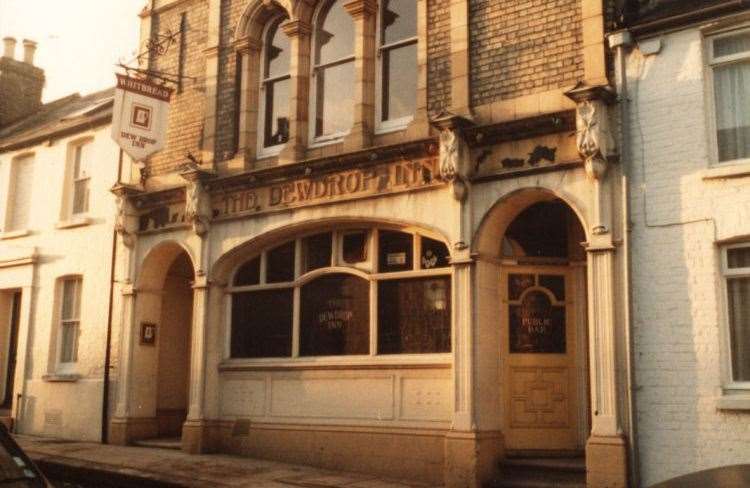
(540, 380)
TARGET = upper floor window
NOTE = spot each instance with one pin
(397, 55)
(80, 176)
(343, 292)
(730, 61)
(274, 86)
(737, 276)
(333, 72)
(18, 206)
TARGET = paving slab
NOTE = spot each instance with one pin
(152, 466)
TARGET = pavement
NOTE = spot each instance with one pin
(141, 467)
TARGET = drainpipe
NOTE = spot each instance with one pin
(621, 42)
(108, 350)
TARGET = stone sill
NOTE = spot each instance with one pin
(430, 361)
(734, 402)
(61, 378)
(73, 223)
(15, 234)
(736, 170)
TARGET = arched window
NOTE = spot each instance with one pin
(343, 292)
(274, 88)
(397, 56)
(333, 76)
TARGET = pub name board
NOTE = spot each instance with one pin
(382, 179)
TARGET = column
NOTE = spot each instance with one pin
(364, 14)
(299, 69)
(119, 432)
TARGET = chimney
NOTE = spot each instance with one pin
(10, 47)
(21, 83)
(29, 48)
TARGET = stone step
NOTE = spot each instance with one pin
(572, 464)
(6, 419)
(161, 443)
(528, 472)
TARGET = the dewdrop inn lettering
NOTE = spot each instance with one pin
(345, 185)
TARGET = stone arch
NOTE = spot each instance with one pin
(496, 220)
(156, 262)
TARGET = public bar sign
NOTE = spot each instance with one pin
(140, 117)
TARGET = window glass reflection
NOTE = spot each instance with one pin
(335, 34)
(399, 20)
(399, 82)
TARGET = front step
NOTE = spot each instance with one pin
(562, 472)
(6, 419)
(172, 443)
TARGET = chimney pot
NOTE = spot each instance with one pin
(10, 47)
(29, 48)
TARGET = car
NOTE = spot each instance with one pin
(17, 470)
(736, 476)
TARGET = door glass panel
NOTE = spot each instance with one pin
(519, 283)
(536, 326)
(555, 284)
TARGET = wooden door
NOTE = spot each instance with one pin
(540, 379)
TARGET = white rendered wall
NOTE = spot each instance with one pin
(63, 409)
(677, 217)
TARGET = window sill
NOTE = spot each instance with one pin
(61, 378)
(736, 169)
(15, 234)
(73, 223)
(426, 361)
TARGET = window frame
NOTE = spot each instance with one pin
(387, 126)
(711, 63)
(727, 274)
(11, 202)
(77, 151)
(61, 322)
(367, 270)
(262, 150)
(324, 140)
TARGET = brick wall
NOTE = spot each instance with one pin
(21, 87)
(523, 47)
(438, 55)
(187, 108)
(677, 216)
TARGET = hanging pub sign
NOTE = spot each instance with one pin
(139, 120)
(537, 326)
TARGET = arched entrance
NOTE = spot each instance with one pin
(543, 331)
(160, 368)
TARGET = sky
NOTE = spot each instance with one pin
(80, 41)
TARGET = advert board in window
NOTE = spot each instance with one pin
(140, 116)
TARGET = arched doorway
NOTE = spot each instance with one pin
(543, 340)
(173, 361)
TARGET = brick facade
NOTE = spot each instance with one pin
(522, 48)
(186, 113)
(21, 87)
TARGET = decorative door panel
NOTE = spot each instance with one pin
(538, 351)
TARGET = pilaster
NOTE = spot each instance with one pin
(299, 33)
(248, 51)
(196, 408)
(364, 13)
(211, 84)
(460, 56)
(419, 128)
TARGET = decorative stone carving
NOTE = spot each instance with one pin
(455, 164)
(197, 200)
(593, 136)
(126, 219)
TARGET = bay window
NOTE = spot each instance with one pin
(730, 62)
(343, 292)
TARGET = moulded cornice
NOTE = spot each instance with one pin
(361, 8)
(294, 28)
(247, 45)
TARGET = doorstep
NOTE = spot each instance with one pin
(146, 466)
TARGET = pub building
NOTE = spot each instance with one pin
(385, 237)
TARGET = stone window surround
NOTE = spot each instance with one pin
(364, 132)
(367, 272)
(723, 28)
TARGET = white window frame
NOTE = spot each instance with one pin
(76, 151)
(712, 63)
(319, 141)
(368, 270)
(726, 274)
(61, 321)
(271, 151)
(386, 126)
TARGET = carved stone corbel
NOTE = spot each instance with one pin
(126, 220)
(197, 200)
(455, 164)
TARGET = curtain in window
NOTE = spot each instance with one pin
(732, 86)
(739, 322)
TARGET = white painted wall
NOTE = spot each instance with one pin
(677, 217)
(84, 250)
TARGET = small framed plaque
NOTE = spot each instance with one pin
(148, 333)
